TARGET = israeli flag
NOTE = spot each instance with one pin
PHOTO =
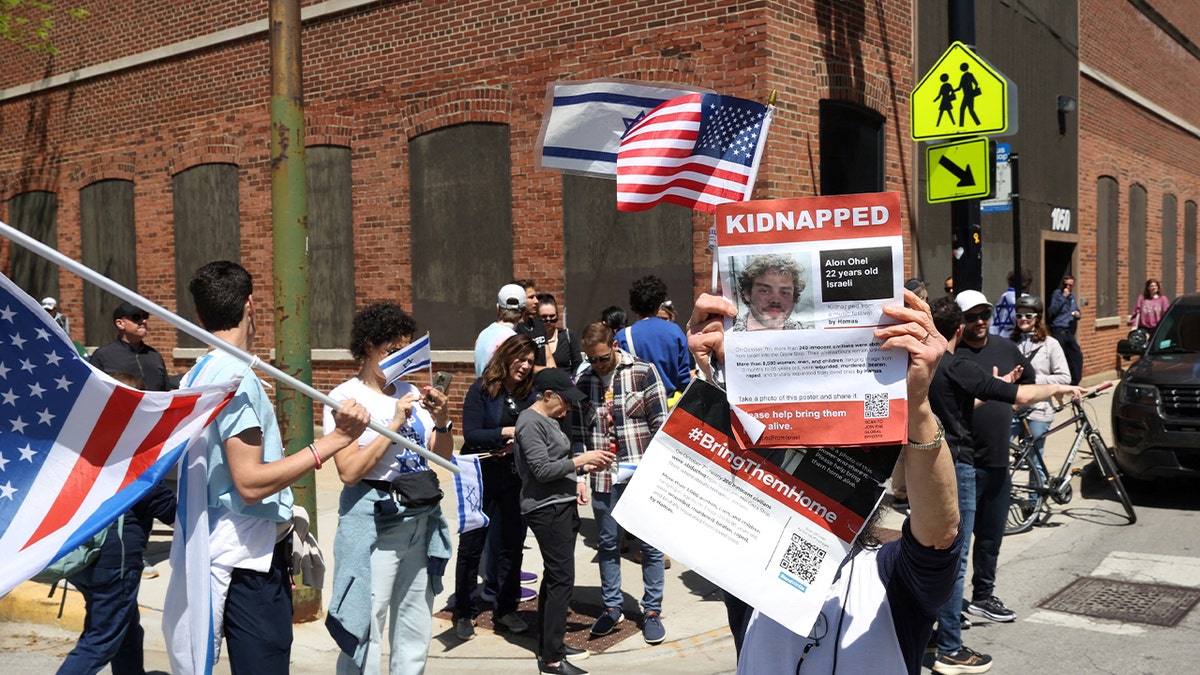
(414, 357)
(584, 121)
(468, 485)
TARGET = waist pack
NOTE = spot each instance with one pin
(417, 489)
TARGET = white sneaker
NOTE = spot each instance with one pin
(513, 623)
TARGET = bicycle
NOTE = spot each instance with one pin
(1033, 486)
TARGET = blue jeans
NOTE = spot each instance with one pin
(993, 492)
(1038, 431)
(608, 536)
(112, 629)
(401, 599)
(949, 619)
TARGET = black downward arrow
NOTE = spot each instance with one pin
(965, 177)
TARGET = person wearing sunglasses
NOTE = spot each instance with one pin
(990, 429)
(1048, 360)
(562, 346)
(129, 353)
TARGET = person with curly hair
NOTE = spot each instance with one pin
(769, 287)
(654, 339)
(392, 542)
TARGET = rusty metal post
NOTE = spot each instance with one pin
(289, 222)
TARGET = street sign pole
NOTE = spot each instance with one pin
(966, 236)
(1015, 164)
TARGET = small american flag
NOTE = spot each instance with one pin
(77, 449)
(697, 151)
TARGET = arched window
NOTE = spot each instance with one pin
(1107, 229)
(330, 246)
(1189, 247)
(1137, 250)
(109, 243)
(36, 214)
(462, 232)
(606, 250)
(1170, 245)
(207, 228)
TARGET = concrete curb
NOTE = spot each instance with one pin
(29, 603)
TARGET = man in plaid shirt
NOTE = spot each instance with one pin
(630, 405)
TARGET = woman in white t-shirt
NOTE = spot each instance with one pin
(399, 541)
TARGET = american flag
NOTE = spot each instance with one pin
(697, 151)
(77, 449)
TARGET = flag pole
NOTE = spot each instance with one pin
(88, 274)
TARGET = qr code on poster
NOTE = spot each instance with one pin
(803, 559)
(876, 406)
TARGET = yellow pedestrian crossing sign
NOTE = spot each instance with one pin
(962, 95)
(958, 170)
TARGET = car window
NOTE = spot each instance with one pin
(1179, 331)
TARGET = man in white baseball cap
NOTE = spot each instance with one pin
(510, 303)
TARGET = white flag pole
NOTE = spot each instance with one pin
(88, 274)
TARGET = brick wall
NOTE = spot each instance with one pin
(381, 74)
(1124, 140)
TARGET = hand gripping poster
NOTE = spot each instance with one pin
(770, 526)
(810, 278)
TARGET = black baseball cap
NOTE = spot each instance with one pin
(126, 309)
(557, 381)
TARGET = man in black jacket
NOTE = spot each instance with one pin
(129, 353)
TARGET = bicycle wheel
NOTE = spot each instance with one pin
(1028, 492)
(1108, 466)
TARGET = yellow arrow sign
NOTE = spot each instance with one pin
(962, 95)
(958, 170)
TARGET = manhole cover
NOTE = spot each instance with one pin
(1155, 604)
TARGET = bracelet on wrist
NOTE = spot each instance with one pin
(931, 445)
(316, 456)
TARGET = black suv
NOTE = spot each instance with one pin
(1156, 409)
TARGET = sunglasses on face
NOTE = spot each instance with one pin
(948, 289)
(1027, 315)
(972, 317)
(137, 318)
(599, 359)
(549, 319)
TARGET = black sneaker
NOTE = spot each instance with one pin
(563, 667)
(962, 662)
(965, 624)
(576, 654)
(991, 608)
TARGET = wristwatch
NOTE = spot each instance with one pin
(446, 429)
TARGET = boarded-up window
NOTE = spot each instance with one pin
(1107, 211)
(330, 246)
(1136, 264)
(206, 228)
(110, 247)
(1170, 245)
(851, 149)
(36, 214)
(462, 232)
(606, 250)
(1191, 256)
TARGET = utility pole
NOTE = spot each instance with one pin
(289, 223)
(966, 237)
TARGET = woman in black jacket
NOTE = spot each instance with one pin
(562, 346)
(490, 411)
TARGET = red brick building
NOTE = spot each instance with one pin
(142, 148)
(1139, 159)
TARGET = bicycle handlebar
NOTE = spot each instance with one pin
(1091, 394)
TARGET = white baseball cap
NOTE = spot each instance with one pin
(511, 296)
(968, 299)
(49, 303)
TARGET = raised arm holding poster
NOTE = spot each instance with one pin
(810, 278)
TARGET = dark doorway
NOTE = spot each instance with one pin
(1060, 261)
